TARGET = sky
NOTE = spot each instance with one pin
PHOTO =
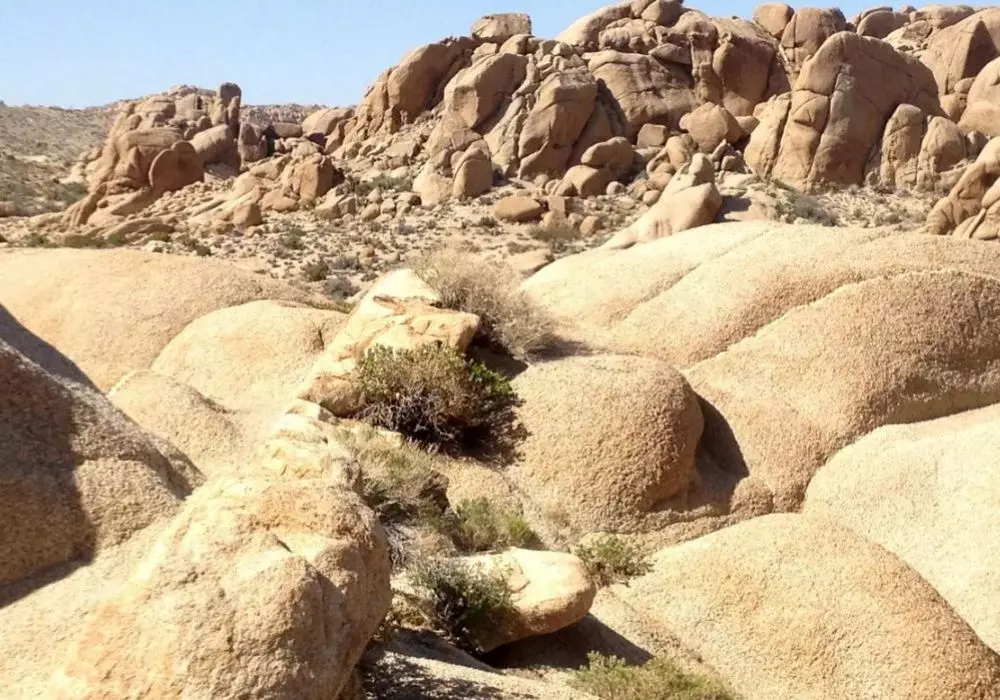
(79, 53)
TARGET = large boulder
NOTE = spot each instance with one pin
(258, 588)
(842, 101)
(550, 591)
(77, 476)
(972, 208)
(400, 312)
(499, 28)
(616, 450)
(773, 18)
(564, 104)
(87, 302)
(647, 90)
(806, 32)
(963, 48)
(943, 511)
(771, 341)
(982, 113)
(918, 152)
(791, 606)
(248, 356)
(403, 93)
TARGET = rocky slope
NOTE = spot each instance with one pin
(746, 447)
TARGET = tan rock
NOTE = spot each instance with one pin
(606, 464)
(499, 28)
(247, 215)
(300, 566)
(564, 104)
(395, 313)
(711, 125)
(942, 510)
(550, 591)
(673, 212)
(84, 301)
(518, 209)
(828, 133)
(773, 17)
(78, 476)
(780, 622)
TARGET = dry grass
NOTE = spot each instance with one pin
(660, 679)
(510, 321)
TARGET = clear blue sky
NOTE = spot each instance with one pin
(76, 53)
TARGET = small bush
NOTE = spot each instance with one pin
(660, 679)
(315, 271)
(559, 236)
(82, 240)
(611, 560)
(383, 181)
(292, 239)
(479, 526)
(509, 320)
(339, 287)
(459, 599)
(797, 205)
(431, 394)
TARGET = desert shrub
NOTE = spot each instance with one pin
(559, 236)
(432, 394)
(610, 560)
(315, 271)
(659, 679)
(36, 240)
(479, 526)
(82, 240)
(401, 486)
(292, 239)
(458, 598)
(509, 320)
(797, 205)
(383, 181)
(340, 287)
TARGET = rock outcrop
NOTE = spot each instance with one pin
(77, 475)
(807, 609)
(840, 112)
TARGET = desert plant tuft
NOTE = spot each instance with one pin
(610, 560)
(659, 679)
(509, 320)
(460, 599)
(479, 526)
(431, 394)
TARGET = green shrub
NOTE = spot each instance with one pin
(431, 394)
(459, 599)
(479, 526)
(659, 679)
(509, 320)
(610, 560)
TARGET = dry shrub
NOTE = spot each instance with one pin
(659, 679)
(610, 560)
(509, 320)
(432, 394)
(460, 599)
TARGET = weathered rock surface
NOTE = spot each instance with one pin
(928, 493)
(550, 591)
(610, 463)
(799, 606)
(86, 302)
(77, 475)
